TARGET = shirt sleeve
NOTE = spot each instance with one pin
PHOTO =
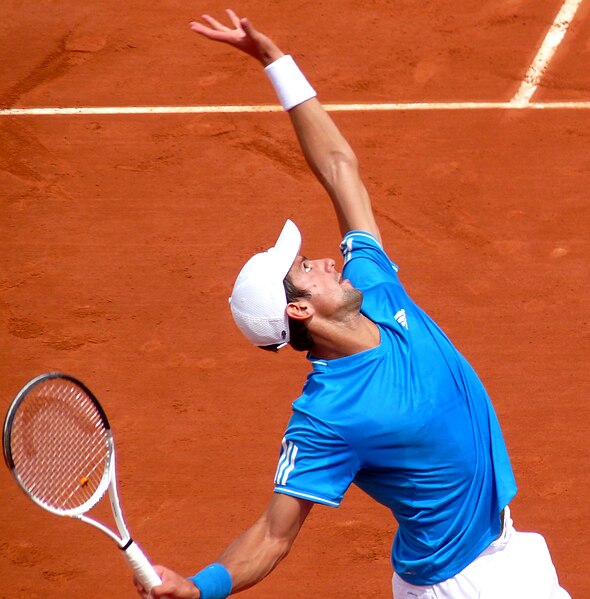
(365, 262)
(315, 463)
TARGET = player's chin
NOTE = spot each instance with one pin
(353, 296)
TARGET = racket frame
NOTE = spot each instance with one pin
(143, 569)
(108, 474)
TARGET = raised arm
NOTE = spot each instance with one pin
(327, 152)
(335, 165)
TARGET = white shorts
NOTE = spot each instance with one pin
(515, 566)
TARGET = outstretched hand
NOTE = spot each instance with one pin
(241, 35)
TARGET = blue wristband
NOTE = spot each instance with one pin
(214, 582)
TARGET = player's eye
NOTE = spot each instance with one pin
(306, 267)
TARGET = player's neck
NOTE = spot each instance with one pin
(337, 340)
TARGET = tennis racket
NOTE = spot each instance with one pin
(59, 446)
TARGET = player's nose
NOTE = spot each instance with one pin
(326, 264)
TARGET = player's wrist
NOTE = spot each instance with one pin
(289, 83)
(213, 582)
(269, 54)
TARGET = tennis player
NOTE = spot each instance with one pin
(390, 405)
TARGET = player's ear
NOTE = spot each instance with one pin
(299, 310)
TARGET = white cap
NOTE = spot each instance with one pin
(258, 301)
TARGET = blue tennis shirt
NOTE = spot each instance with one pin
(409, 422)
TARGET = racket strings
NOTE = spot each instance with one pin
(60, 445)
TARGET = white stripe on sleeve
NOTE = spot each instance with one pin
(286, 462)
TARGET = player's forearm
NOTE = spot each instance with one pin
(253, 555)
(335, 165)
(326, 150)
(321, 141)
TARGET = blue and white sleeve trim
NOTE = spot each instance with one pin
(307, 496)
(347, 246)
(347, 243)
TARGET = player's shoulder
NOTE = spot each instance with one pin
(357, 239)
(363, 249)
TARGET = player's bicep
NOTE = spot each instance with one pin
(284, 516)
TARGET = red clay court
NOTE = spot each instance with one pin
(122, 232)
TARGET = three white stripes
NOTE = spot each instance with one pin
(287, 462)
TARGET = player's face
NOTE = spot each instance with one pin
(331, 295)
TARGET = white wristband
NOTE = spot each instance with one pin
(289, 82)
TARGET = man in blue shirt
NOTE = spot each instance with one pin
(409, 422)
(389, 405)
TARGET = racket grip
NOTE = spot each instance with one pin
(143, 570)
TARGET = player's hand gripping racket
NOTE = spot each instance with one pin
(58, 444)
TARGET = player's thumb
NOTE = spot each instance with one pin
(158, 593)
(248, 27)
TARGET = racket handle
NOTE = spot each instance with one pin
(143, 570)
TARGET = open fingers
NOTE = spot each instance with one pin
(214, 23)
(215, 30)
(240, 34)
(234, 18)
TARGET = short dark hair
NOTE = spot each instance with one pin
(300, 338)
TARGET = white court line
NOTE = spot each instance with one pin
(519, 101)
(408, 106)
(545, 54)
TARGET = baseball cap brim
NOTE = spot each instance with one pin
(287, 247)
(258, 301)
